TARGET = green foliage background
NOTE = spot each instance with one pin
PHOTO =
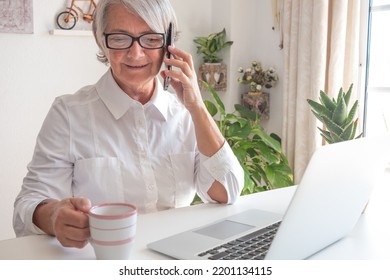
(260, 154)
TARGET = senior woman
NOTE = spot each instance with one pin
(126, 139)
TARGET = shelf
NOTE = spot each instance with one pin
(62, 32)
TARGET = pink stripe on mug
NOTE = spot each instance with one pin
(112, 243)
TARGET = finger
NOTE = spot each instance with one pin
(81, 203)
(181, 55)
(179, 80)
(72, 228)
(69, 236)
(76, 234)
(184, 66)
(181, 60)
(180, 64)
(69, 215)
(67, 242)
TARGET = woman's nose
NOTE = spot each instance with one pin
(136, 50)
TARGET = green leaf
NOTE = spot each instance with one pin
(336, 138)
(211, 37)
(269, 141)
(227, 44)
(248, 183)
(240, 153)
(326, 135)
(320, 109)
(220, 105)
(222, 34)
(318, 116)
(267, 153)
(279, 175)
(347, 133)
(327, 138)
(332, 126)
(235, 129)
(340, 95)
(202, 41)
(212, 46)
(232, 118)
(340, 113)
(352, 112)
(246, 147)
(276, 137)
(211, 108)
(347, 96)
(355, 124)
(326, 101)
(245, 112)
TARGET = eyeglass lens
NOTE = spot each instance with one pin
(125, 41)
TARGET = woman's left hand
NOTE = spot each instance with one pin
(183, 79)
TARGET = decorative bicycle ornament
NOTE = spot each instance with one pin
(68, 19)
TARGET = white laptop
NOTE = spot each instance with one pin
(326, 206)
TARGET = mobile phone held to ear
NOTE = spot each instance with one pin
(170, 39)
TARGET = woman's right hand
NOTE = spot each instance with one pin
(66, 219)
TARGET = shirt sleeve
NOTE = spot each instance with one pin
(224, 167)
(49, 173)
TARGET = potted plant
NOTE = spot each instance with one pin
(339, 123)
(260, 154)
(257, 78)
(213, 71)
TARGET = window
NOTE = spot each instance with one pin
(377, 110)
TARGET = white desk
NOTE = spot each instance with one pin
(369, 239)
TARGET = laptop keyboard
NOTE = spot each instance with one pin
(253, 246)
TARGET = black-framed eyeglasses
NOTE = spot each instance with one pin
(122, 41)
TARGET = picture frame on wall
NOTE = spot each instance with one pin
(16, 16)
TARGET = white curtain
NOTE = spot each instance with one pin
(320, 42)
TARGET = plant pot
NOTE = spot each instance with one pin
(215, 74)
(257, 102)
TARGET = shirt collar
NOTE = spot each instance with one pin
(118, 102)
(112, 95)
(159, 100)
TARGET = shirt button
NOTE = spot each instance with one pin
(151, 187)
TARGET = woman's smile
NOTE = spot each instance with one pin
(137, 67)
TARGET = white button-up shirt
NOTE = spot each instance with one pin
(103, 145)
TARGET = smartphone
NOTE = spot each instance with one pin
(170, 39)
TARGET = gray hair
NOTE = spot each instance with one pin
(156, 13)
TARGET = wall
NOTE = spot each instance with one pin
(38, 67)
(250, 25)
